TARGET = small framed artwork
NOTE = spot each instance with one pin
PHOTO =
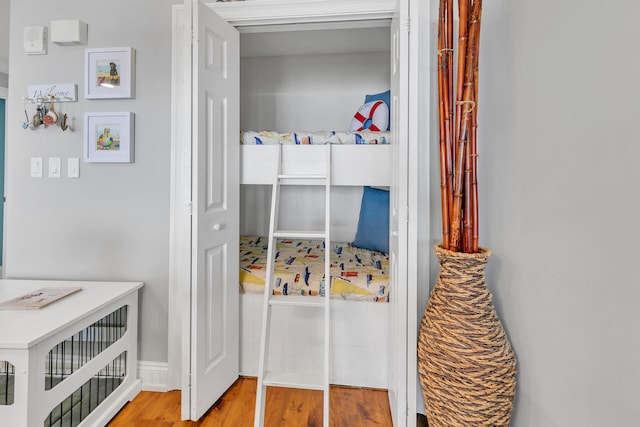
(109, 73)
(109, 137)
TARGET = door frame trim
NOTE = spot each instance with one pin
(4, 94)
(179, 205)
(180, 169)
(276, 12)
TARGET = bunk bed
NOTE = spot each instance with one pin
(360, 284)
(361, 159)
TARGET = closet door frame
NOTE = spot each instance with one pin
(260, 13)
(287, 12)
(4, 94)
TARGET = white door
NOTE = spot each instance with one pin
(215, 83)
(398, 244)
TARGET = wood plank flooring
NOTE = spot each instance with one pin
(350, 407)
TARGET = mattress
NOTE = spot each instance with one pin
(356, 274)
(314, 138)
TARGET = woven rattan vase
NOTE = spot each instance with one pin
(467, 367)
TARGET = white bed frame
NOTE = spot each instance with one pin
(350, 164)
(359, 341)
(360, 330)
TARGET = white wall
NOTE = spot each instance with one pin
(559, 199)
(301, 209)
(113, 222)
(308, 92)
(4, 42)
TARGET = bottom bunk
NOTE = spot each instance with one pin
(359, 312)
(356, 273)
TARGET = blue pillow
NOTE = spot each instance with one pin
(373, 224)
(384, 96)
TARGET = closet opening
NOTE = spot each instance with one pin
(303, 84)
(378, 356)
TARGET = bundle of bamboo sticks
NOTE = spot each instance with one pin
(458, 127)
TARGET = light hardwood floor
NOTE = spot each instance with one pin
(350, 407)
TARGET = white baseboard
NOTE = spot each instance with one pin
(154, 375)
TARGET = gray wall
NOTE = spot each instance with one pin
(558, 167)
(113, 222)
(558, 174)
(4, 41)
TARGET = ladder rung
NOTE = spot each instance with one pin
(301, 176)
(297, 301)
(293, 380)
(292, 234)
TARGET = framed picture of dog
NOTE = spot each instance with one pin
(109, 73)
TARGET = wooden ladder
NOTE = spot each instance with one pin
(266, 378)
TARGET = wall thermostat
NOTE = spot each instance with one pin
(35, 40)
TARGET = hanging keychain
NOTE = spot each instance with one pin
(37, 117)
(51, 117)
(25, 125)
(63, 124)
(63, 119)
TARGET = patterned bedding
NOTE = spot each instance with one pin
(316, 138)
(356, 274)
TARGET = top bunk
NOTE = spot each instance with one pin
(317, 80)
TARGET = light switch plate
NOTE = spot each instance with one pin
(73, 167)
(36, 167)
(54, 167)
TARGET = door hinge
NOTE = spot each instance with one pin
(190, 208)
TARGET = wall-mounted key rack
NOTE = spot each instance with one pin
(44, 98)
